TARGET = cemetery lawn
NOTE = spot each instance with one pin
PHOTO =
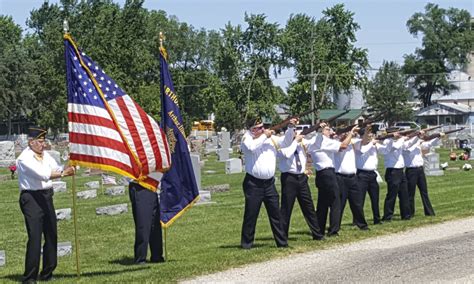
(206, 239)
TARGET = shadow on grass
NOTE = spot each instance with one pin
(18, 277)
(233, 246)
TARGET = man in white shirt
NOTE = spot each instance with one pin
(392, 149)
(36, 168)
(345, 165)
(366, 163)
(322, 149)
(259, 147)
(415, 174)
(294, 185)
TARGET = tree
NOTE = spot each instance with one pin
(16, 82)
(388, 93)
(326, 45)
(447, 40)
(244, 63)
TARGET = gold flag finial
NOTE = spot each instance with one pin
(162, 49)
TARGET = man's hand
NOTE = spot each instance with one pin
(354, 130)
(69, 171)
(442, 134)
(294, 121)
(268, 132)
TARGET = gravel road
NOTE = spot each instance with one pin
(440, 253)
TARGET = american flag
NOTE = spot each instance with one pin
(107, 129)
(108, 180)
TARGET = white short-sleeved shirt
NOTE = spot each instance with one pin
(287, 162)
(34, 173)
(322, 151)
(345, 161)
(366, 156)
(260, 154)
(413, 155)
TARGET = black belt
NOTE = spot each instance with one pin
(294, 175)
(36, 190)
(394, 169)
(325, 169)
(414, 168)
(365, 171)
(346, 175)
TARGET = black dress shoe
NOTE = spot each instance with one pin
(319, 238)
(46, 278)
(366, 228)
(282, 245)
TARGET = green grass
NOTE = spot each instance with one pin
(206, 239)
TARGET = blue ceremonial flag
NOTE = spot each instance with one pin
(179, 190)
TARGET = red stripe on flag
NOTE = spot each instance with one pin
(151, 135)
(134, 133)
(151, 182)
(91, 119)
(94, 140)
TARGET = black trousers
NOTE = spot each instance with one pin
(295, 186)
(416, 177)
(146, 215)
(40, 219)
(350, 191)
(367, 181)
(328, 197)
(257, 191)
(396, 185)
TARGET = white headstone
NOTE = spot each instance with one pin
(112, 209)
(92, 185)
(64, 248)
(431, 165)
(3, 258)
(205, 197)
(195, 160)
(115, 190)
(225, 140)
(56, 155)
(7, 153)
(59, 186)
(233, 166)
(87, 194)
(218, 188)
(63, 214)
(223, 154)
(22, 141)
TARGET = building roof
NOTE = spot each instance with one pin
(444, 109)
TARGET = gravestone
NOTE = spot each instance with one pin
(63, 214)
(112, 209)
(96, 172)
(7, 153)
(218, 188)
(59, 186)
(92, 184)
(233, 166)
(223, 154)
(205, 197)
(225, 140)
(64, 248)
(115, 190)
(196, 162)
(55, 155)
(431, 165)
(21, 142)
(3, 258)
(87, 194)
(123, 181)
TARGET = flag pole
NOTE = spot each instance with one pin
(76, 237)
(165, 231)
(74, 211)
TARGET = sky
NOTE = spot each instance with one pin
(383, 22)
